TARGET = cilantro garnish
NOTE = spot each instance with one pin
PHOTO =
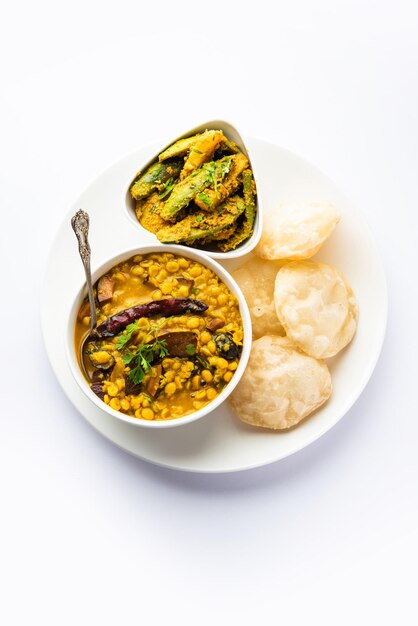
(168, 186)
(141, 357)
(211, 170)
(225, 167)
(126, 336)
(205, 198)
(157, 170)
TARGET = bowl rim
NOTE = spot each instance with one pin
(200, 257)
(248, 245)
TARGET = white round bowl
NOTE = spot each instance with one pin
(233, 134)
(195, 255)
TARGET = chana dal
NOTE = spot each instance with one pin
(168, 338)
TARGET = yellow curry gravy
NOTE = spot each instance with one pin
(183, 376)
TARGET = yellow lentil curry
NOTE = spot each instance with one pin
(199, 192)
(168, 337)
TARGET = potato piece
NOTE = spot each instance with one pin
(201, 151)
(296, 232)
(316, 306)
(280, 386)
(256, 279)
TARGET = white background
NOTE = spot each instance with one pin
(91, 535)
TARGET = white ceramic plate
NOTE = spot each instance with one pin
(219, 442)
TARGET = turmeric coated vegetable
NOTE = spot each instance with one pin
(210, 198)
(200, 225)
(202, 151)
(148, 212)
(185, 196)
(154, 177)
(178, 148)
(187, 189)
(105, 288)
(244, 230)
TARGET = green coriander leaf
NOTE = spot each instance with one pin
(190, 349)
(145, 356)
(126, 336)
(168, 186)
(137, 375)
(128, 357)
(204, 198)
(158, 171)
(225, 167)
(162, 348)
(140, 360)
(210, 172)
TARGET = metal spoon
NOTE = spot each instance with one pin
(80, 223)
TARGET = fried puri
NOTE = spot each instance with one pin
(281, 385)
(256, 279)
(296, 232)
(316, 307)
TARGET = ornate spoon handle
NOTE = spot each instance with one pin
(80, 223)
